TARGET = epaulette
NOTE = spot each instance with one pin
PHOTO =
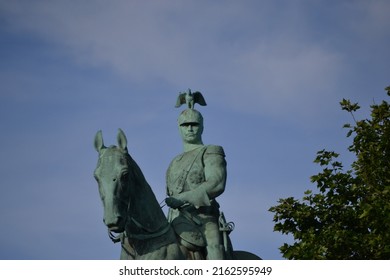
(213, 149)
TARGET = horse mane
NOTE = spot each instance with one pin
(148, 210)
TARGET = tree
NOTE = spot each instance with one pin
(349, 216)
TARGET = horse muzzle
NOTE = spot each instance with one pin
(116, 224)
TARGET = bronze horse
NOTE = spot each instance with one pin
(132, 211)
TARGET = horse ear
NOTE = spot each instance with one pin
(122, 140)
(98, 143)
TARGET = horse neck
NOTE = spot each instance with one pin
(144, 207)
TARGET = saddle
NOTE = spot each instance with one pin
(188, 229)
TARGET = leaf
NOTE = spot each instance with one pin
(348, 106)
(348, 215)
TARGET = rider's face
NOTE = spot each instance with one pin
(191, 132)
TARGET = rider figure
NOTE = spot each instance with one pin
(195, 178)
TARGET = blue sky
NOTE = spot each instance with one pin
(272, 73)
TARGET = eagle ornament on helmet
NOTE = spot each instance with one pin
(190, 115)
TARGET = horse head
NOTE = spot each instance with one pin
(113, 175)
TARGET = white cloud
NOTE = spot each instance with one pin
(278, 80)
(228, 50)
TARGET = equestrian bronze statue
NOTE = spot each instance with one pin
(195, 228)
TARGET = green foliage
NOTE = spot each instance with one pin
(349, 217)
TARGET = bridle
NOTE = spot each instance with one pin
(118, 238)
(139, 236)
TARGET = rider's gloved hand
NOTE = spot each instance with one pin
(174, 202)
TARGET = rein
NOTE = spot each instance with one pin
(150, 235)
(139, 236)
(118, 237)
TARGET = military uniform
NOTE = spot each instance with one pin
(198, 177)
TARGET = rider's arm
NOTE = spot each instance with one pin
(215, 179)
